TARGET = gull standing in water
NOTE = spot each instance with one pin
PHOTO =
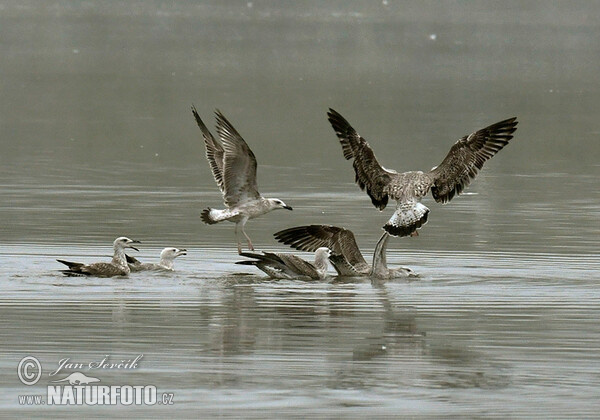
(234, 168)
(462, 163)
(167, 258)
(117, 267)
(289, 266)
(345, 254)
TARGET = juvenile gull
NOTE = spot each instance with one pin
(289, 266)
(167, 258)
(117, 267)
(462, 163)
(345, 256)
(234, 168)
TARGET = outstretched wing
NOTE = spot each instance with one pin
(345, 254)
(214, 150)
(466, 158)
(239, 165)
(370, 175)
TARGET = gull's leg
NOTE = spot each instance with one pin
(237, 237)
(250, 246)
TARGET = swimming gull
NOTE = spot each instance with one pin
(234, 168)
(167, 258)
(289, 266)
(345, 256)
(462, 163)
(117, 267)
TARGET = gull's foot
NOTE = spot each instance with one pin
(415, 233)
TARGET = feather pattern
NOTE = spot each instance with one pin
(239, 165)
(370, 175)
(467, 156)
(287, 266)
(214, 151)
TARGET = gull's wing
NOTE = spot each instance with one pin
(239, 165)
(299, 266)
(370, 175)
(96, 269)
(466, 158)
(132, 260)
(214, 150)
(345, 254)
(278, 265)
(103, 270)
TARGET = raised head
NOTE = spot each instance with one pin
(321, 260)
(169, 254)
(276, 203)
(124, 242)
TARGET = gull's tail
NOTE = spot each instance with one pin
(407, 219)
(212, 216)
(74, 269)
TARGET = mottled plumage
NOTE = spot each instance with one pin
(462, 163)
(117, 267)
(289, 266)
(233, 165)
(167, 259)
(345, 254)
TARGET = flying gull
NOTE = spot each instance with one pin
(345, 256)
(167, 258)
(289, 266)
(117, 267)
(234, 168)
(464, 160)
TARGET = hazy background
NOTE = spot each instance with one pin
(95, 113)
(97, 141)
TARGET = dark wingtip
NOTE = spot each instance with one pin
(246, 262)
(205, 216)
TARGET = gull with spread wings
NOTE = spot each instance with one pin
(234, 168)
(460, 166)
(345, 255)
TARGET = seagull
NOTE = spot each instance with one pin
(167, 258)
(234, 168)
(117, 267)
(345, 256)
(462, 163)
(289, 266)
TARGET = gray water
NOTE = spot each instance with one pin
(98, 141)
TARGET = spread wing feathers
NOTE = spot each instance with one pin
(214, 150)
(466, 158)
(370, 175)
(345, 254)
(408, 217)
(281, 265)
(239, 165)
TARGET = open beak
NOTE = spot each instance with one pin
(132, 247)
(182, 252)
(288, 208)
